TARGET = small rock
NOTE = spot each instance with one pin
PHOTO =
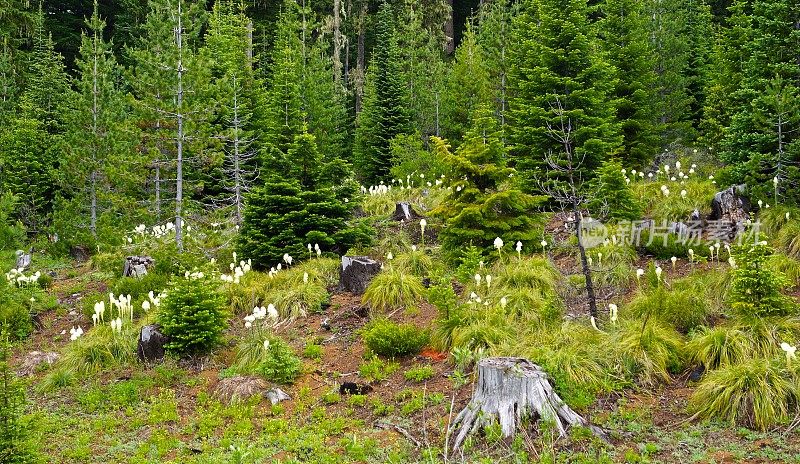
(697, 373)
(326, 324)
(73, 313)
(150, 346)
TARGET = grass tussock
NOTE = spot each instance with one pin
(393, 289)
(652, 351)
(758, 393)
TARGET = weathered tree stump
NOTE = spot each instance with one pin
(356, 272)
(150, 346)
(730, 205)
(23, 260)
(510, 390)
(137, 266)
(404, 212)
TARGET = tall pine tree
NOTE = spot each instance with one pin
(385, 113)
(623, 34)
(558, 78)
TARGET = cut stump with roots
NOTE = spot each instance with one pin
(510, 390)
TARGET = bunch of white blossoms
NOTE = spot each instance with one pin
(160, 231)
(260, 313)
(75, 333)
(18, 278)
(122, 304)
(237, 271)
(194, 275)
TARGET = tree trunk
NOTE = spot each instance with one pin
(510, 390)
(587, 272)
(359, 80)
(179, 115)
(449, 32)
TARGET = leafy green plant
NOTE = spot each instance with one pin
(98, 349)
(612, 196)
(312, 351)
(387, 338)
(376, 369)
(684, 309)
(393, 289)
(14, 447)
(419, 373)
(758, 393)
(193, 315)
(756, 290)
(279, 362)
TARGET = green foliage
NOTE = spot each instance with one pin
(675, 207)
(386, 338)
(193, 315)
(139, 287)
(98, 349)
(410, 158)
(281, 218)
(14, 447)
(385, 112)
(681, 308)
(557, 67)
(279, 363)
(415, 261)
(11, 230)
(469, 263)
(18, 305)
(481, 205)
(651, 350)
(756, 288)
(758, 393)
(376, 369)
(292, 296)
(393, 288)
(612, 197)
(419, 373)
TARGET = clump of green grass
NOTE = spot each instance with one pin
(651, 350)
(683, 309)
(758, 393)
(415, 260)
(295, 292)
(393, 289)
(267, 355)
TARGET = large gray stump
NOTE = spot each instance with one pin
(356, 272)
(151, 344)
(137, 266)
(510, 390)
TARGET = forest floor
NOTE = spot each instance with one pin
(168, 412)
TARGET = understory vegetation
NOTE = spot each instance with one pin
(303, 232)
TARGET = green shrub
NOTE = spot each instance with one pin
(469, 263)
(387, 338)
(292, 296)
(612, 197)
(279, 363)
(19, 305)
(419, 373)
(756, 288)
(14, 447)
(757, 393)
(193, 315)
(665, 247)
(393, 289)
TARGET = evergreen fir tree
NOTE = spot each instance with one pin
(559, 78)
(170, 82)
(47, 87)
(238, 95)
(28, 160)
(284, 101)
(612, 198)
(385, 114)
(97, 173)
(468, 87)
(309, 204)
(482, 204)
(623, 34)
(496, 38)
(763, 139)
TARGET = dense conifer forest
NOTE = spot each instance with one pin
(399, 231)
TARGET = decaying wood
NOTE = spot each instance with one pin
(509, 390)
